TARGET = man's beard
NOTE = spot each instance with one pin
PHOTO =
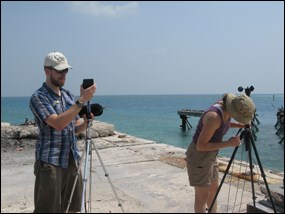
(56, 83)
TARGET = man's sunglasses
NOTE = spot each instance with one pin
(64, 71)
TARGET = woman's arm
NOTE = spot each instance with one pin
(237, 125)
(211, 122)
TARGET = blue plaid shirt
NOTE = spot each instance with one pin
(54, 146)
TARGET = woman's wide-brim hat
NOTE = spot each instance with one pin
(240, 107)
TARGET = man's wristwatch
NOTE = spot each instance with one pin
(80, 104)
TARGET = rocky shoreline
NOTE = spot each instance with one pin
(133, 156)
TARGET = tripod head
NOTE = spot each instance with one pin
(247, 136)
(247, 90)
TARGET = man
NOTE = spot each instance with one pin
(57, 155)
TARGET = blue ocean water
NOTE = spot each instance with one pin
(155, 117)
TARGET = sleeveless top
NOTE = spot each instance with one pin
(220, 132)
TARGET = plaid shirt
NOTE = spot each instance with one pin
(54, 146)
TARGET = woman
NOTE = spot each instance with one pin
(208, 139)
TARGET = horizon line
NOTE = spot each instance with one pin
(159, 94)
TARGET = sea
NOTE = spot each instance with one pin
(155, 117)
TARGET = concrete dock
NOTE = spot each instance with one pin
(148, 178)
(152, 178)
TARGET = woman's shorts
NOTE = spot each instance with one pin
(202, 166)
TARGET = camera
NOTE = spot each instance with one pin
(87, 83)
(96, 108)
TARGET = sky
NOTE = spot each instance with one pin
(145, 48)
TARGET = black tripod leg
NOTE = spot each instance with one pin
(251, 175)
(263, 175)
(223, 179)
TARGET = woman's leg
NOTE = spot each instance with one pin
(201, 198)
(212, 192)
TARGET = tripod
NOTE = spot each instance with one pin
(87, 151)
(248, 139)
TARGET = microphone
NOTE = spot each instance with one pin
(96, 109)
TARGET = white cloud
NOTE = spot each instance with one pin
(101, 8)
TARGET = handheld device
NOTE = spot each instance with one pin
(87, 83)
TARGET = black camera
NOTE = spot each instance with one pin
(87, 83)
(96, 109)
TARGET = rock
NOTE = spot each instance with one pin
(276, 191)
(19, 132)
(4, 124)
(28, 131)
(102, 129)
